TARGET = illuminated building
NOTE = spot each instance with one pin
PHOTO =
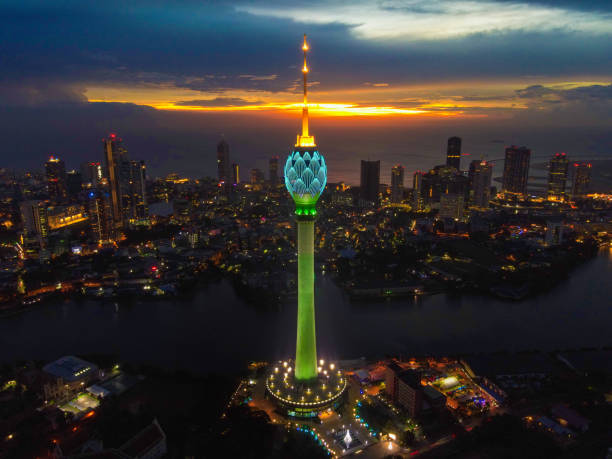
(369, 185)
(397, 183)
(115, 155)
(59, 217)
(34, 218)
(479, 177)
(257, 177)
(582, 179)
(442, 180)
(451, 206)
(557, 176)
(453, 152)
(91, 173)
(273, 169)
(404, 388)
(134, 199)
(56, 179)
(100, 218)
(127, 183)
(235, 173)
(417, 199)
(223, 162)
(516, 170)
(310, 386)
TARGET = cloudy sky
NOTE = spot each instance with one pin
(390, 79)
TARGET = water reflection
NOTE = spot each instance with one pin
(216, 330)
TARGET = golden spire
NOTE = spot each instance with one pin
(305, 140)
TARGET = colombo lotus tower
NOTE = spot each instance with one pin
(311, 387)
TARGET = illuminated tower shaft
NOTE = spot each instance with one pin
(306, 346)
(305, 178)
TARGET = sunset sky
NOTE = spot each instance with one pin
(387, 78)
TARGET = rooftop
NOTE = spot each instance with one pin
(70, 368)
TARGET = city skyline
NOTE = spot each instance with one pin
(464, 69)
(182, 277)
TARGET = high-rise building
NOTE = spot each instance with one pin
(557, 176)
(257, 176)
(100, 218)
(404, 388)
(479, 176)
(223, 162)
(235, 173)
(442, 180)
(397, 183)
(417, 183)
(312, 386)
(516, 170)
(273, 170)
(74, 182)
(582, 179)
(91, 173)
(135, 207)
(370, 181)
(34, 218)
(56, 179)
(115, 156)
(127, 184)
(453, 152)
(451, 206)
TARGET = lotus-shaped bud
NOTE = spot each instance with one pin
(305, 176)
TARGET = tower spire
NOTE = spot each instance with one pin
(305, 140)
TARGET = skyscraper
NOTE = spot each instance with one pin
(516, 170)
(91, 173)
(136, 209)
(115, 156)
(370, 181)
(74, 182)
(257, 176)
(235, 173)
(56, 179)
(223, 162)
(127, 185)
(397, 183)
(34, 218)
(453, 152)
(582, 179)
(100, 218)
(273, 171)
(557, 176)
(417, 183)
(480, 183)
(308, 388)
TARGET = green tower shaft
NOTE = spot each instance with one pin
(306, 346)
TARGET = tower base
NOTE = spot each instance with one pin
(298, 399)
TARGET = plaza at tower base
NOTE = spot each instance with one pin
(298, 399)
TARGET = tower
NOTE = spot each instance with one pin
(557, 176)
(305, 178)
(309, 387)
(480, 183)
(235, 174)
(223, 162)
(115, 155)
(370, 181)
(516, 170)
(273, 169)
(582, 179)
(453, 152)
(56, 178)
(397, 183)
